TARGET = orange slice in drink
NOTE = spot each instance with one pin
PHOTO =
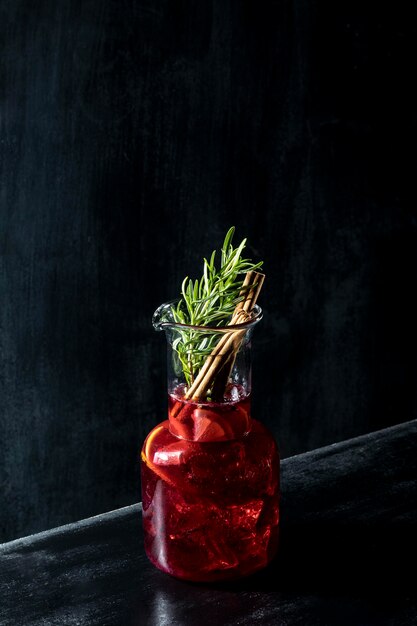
(161, 471)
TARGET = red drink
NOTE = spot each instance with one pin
(210, 490)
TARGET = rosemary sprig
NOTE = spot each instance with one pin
(209, 301)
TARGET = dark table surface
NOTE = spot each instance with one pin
(349, 517)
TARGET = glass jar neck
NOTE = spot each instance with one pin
(210, 421)
(209, 377)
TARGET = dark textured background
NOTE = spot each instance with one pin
(132, 134)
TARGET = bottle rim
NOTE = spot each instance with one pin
(161, 321)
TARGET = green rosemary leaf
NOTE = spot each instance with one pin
(212, 266)
(226, 243)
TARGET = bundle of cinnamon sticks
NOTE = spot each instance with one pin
(216, 370)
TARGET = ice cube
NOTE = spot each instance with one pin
(244, 517)
(234, 394)
(173, 454)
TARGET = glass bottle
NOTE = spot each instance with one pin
(210, 473)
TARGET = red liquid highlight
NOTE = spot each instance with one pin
(210, 507)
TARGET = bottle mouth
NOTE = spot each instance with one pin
(163, 319)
